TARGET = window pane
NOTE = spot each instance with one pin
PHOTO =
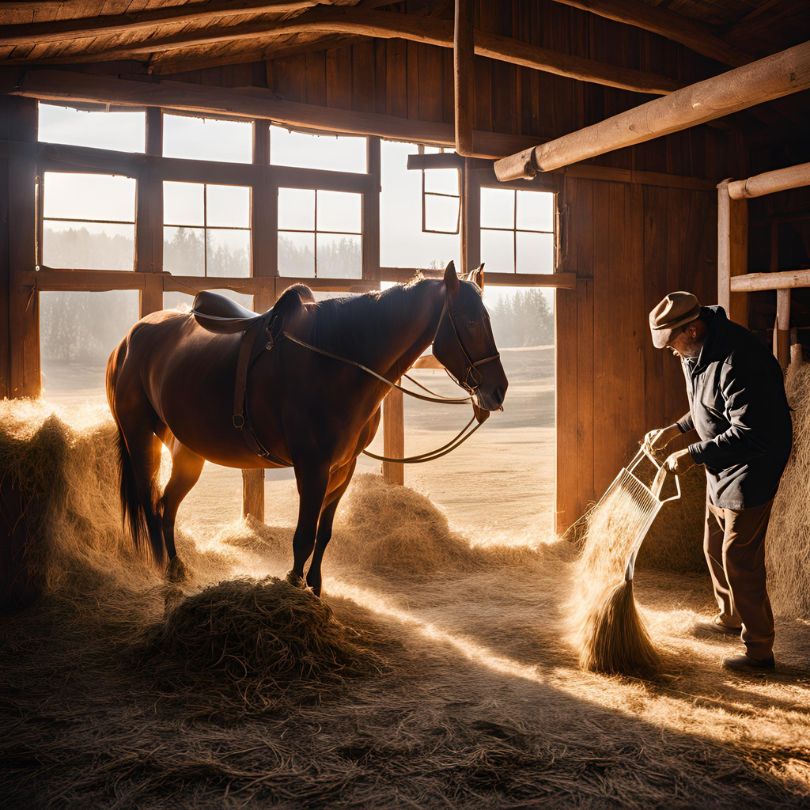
(497, 208)
(342, 154)
(228, 253)
(497, 251)
(183, 203)
(340, 256)
(535, 210)
(124, 131)
(441, 181)
(177, 300)
(296, 209)
(535, 253)
(77, 333)
(89, 196)
(339, 211)
(229, 206)
(88, 245)
(296, 254)
(184, 251)
(207, 139)
(402, 241)
(441, 214)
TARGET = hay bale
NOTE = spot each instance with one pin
(260, 637)
(787, 545)
(675, 540)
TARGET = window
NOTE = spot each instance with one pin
(319, 233)
(207, 139)
(206, 229)
(88, 221)
(440, 196)
(102, 129)
(403, 243)
(517, 230)
(183, 301)
(340, 154)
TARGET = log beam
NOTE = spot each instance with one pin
(781, 280)
(693, 34)
(394, 436)
(386, 25)
(771, 182)
(766, 79)
(732, 253)
(464, 76)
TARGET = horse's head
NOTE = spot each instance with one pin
(464, 343)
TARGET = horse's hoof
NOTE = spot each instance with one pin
(295, 580)
(176, 572)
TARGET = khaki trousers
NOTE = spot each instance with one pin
(734, 545)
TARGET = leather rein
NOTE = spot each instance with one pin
(471, 383)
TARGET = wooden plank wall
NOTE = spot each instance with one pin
(629, 245)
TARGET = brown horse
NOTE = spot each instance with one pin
(172, 381)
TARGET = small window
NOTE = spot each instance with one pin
(320, 233)
(206, 230)
(441, 202)
(517, 230)
(186, 136)
(103, 129)
(88, 221)
(306, 151)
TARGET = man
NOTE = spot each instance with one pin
(738, 408)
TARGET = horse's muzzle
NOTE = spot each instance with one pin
(490, 400)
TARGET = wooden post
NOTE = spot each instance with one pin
(263, 255)
(149, 220)
(781, 330)
(796, 351)
(19, 298)
(732, 252)
(464, 77)
(371, 214)
(394, 436)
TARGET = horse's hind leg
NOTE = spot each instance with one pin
(186, 469)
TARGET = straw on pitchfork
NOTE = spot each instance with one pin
(611, 634)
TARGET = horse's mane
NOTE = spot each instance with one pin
(350, 324)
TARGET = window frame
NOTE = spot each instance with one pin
(425, 193)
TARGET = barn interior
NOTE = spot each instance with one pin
(594, 156)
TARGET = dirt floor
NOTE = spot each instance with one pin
(479, 704)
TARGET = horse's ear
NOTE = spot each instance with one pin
(450, 277)
(478, 276)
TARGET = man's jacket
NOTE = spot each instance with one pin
(738, 407)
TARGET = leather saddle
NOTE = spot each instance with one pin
(219, 314)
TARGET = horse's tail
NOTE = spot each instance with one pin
(133, 512)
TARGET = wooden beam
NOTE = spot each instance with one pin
(781, 328)
(111, 24)
(732, 253)
(81, 280)
(464, 75)
(693, 34)
(385, 25)
(770, 182)
(253, 494)
(559, 281)
(766, 79)
(149, 220)
(393, 436)
(781, 280)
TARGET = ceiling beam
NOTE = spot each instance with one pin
(110, 24)
(766, 79)
(387, 25)
(691, 33)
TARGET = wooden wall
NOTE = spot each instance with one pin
(629, 245)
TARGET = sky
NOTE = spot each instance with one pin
(402, 241)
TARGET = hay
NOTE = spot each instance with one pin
(606, 628)
(260, 638)
(787, 545)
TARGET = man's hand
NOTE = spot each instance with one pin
(679, 462)
(657, 440)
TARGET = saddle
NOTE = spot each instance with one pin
(260, 332)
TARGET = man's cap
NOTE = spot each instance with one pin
(676, 309)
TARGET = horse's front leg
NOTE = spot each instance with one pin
(312, 484)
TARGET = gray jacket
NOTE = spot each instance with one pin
(738, 407)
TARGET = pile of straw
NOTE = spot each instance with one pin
(787, 545)
(260, 638)
(606, 626)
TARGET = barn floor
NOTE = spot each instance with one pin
(481, 703)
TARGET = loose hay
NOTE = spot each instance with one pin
(606, 626)
(787, 545)
(261, 638)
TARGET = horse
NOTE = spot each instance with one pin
(309, 403)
